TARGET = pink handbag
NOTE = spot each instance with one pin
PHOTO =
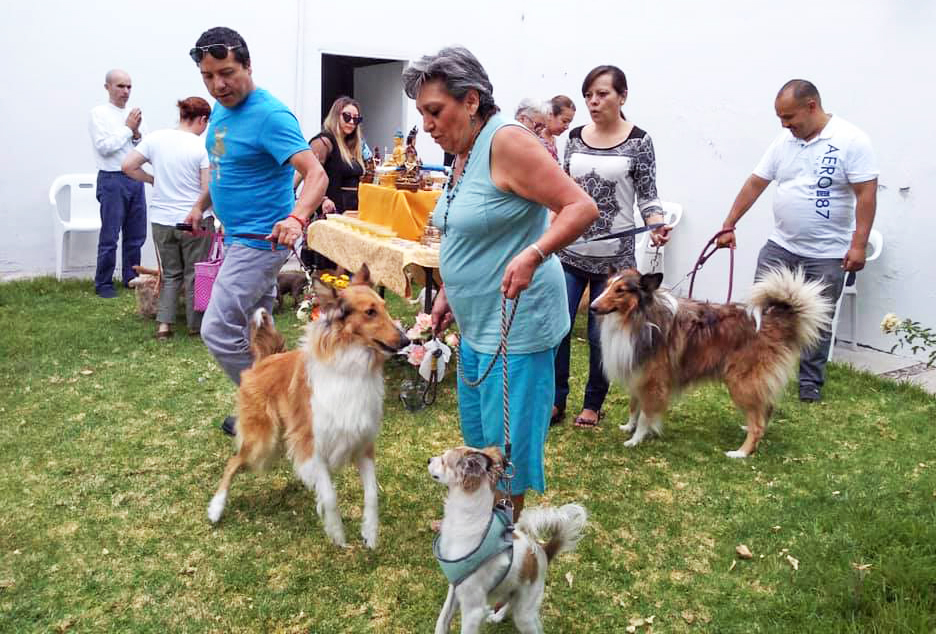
(207, 271)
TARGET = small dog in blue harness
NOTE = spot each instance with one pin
(485, 557)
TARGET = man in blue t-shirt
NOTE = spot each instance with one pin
(254, 143)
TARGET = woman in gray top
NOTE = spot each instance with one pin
(613, 161)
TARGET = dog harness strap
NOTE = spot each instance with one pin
(497, 538)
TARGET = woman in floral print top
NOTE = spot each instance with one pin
(613, 161)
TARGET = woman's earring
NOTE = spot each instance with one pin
(474, 121)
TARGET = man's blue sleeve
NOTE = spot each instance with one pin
(281, 136)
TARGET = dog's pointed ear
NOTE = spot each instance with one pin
(362, 276)
(651, 281)
(327, 295)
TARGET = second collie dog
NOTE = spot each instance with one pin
(656, 344)
(486, 559)
(321, 403)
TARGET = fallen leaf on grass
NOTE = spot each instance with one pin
(86, 372)
(743, 551)
(793, 562)
(734, 562)
(688, 616)
(6, 583)
(775, 528)
(568, 577)
(188, 570)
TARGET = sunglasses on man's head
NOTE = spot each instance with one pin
(350, 118)
(218, 51)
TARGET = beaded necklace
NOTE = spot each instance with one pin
(450, 191)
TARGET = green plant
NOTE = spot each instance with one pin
(912, 334)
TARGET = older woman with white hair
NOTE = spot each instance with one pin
(496, 240)
(533, 115)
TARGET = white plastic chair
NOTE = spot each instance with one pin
(74, 210)
(850, 290)
(644, 249)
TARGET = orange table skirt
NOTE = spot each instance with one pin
(403, 211)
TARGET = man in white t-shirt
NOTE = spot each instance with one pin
(114, 132)
(180, 175)
(824, 207)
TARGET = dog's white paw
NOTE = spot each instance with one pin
(633, 442)
(216, 507)
(496, 616)
(629, 427)
(369, 534)
(737, 453)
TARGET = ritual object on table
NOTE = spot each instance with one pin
(370, 167)
(387, 174)
(410, 177)
(432, 236)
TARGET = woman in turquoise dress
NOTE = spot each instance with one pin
(497, 240)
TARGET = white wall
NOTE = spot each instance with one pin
(377, 89)
(702, 80)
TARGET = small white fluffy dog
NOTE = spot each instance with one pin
(515, 581)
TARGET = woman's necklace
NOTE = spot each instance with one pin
(450, 191)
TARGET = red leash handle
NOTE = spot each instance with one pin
(706, 254)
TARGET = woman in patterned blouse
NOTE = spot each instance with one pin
(613, 161)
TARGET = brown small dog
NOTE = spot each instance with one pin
(146, 284)
(289, 283)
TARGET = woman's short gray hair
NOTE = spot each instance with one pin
(531, 107)
(459, 70)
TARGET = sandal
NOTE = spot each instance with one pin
(557, 416)
(581, 421)
(162, 335)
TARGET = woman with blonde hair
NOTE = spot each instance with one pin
(339, 148)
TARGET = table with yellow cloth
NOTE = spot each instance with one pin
(403, 211)
(393, 262)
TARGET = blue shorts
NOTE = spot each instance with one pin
(532, 383)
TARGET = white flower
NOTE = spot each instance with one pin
(890, 322)
(302, 314)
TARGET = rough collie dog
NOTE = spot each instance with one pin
(322, 403)
(486, 559)
(655, 344)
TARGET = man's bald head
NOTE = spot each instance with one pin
(117, 83)
(801, 90)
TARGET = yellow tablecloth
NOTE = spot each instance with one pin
(392, 262)
(403, 211)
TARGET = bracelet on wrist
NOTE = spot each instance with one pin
(303, 223)
(539, 252)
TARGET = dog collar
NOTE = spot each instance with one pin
(497, 538)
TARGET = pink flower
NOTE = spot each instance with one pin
(451, 339)
(414, 333)
(416, 355)
(424, 321)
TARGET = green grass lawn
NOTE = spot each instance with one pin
(110, 452)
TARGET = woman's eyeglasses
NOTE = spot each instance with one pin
(350, 118)
(218, 51)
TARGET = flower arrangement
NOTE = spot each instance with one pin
(419, 335)
(308, 308)
(910, 333)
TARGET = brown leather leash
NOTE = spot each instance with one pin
(706, 254)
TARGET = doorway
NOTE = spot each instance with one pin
(376, 84)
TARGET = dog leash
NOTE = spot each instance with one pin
(506, 323)
(703, 258)
(628, 233)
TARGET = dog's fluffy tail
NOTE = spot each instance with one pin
(560, 528)
(785, 287)
(265, 339)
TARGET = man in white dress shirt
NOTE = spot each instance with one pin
(824, 206)
(114, 132)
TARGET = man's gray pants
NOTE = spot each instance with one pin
(246, 282)
(830, 272)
